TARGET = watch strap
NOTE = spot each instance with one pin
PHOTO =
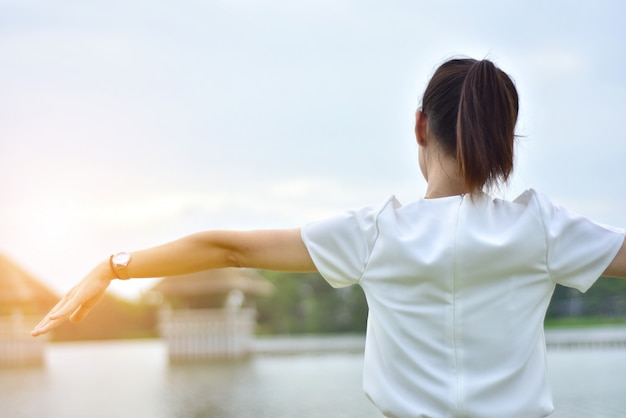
(118, 270)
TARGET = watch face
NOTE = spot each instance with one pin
(121, 259)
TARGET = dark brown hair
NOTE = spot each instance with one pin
(471, 107)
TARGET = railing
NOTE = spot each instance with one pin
(556, 339)
(597, 337)
(196, 334)
(281, 345)
(17, 346)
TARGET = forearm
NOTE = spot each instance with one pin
(281, 250)
(197, 252)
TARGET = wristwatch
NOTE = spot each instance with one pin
(118, 263)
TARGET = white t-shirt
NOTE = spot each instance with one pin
(457, 290)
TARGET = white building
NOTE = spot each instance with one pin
(23, 300)
(211, 314)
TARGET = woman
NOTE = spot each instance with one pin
(457, 283)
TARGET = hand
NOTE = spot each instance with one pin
(77, 303)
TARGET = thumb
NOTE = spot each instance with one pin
(84, 309)
(79, 314)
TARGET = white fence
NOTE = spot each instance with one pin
(196, 334)
(593, 337)
(17, 346)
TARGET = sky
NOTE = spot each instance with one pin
(126, 124)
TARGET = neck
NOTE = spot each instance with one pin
(443, 178)
(437, 191)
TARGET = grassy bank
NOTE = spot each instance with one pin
(581, 322)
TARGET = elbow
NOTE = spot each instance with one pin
(233, 259)
(229, 249)
(617, 268)
(216, 249)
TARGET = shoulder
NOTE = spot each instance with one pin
(340, 245)
(550, 211)
(366, 213)
(531, 195)
(563, 224)
(536, 202)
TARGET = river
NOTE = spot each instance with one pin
(133, 379)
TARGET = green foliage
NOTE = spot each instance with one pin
(112, 318)
(306, 303)
(605, 299)
(583, 321)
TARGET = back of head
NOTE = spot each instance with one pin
(471, 107)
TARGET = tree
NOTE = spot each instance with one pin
(306, 303)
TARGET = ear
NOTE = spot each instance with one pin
(421, 128)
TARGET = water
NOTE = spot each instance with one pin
(133, 379)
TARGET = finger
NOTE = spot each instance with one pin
(66, 306)
(80, 314)
(85, 308)
(55, 317)
(43, 323)
(37, 330)
(65, 312)
(62, 303)
(46, 327)
(59, 304)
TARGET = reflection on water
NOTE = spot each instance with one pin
(588, 383)
(133, 379)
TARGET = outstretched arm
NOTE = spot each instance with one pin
(280, 250)
(617, 268)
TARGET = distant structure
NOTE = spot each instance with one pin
(211, 314)
(23, 300)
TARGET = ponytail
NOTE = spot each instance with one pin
(472, 110)
(485, 126)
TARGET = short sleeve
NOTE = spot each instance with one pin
(340, 245)
(578, 249)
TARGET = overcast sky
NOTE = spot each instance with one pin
(124, 124)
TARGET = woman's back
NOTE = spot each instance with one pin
(457, 289)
